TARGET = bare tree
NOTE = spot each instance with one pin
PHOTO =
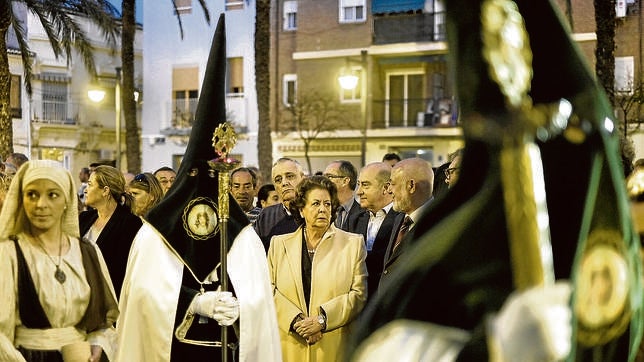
(628, 103)
(310, 115)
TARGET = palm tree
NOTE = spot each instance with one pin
(262, 84)
(605, 49)
(61, 20)
(132, 135)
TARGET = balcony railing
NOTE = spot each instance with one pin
(55, 112)
(423, 112)
(403, 28)
(183, 112)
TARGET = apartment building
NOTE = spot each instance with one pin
(402, 102)
(173, 71)
(60, 122)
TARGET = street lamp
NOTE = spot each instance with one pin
(349, 81)
(97, 95)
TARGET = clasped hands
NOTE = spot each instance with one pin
(220, 306)
(308, 328)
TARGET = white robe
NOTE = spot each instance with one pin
(151, 290)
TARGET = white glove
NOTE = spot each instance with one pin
(220, 306)
(534, 325)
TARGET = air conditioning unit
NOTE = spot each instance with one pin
(104, 154)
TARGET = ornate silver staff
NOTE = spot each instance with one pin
(223, 140)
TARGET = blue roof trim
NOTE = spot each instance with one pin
(396, 6)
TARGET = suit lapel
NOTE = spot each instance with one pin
(386, 229)
(389, 257)
(352, 217)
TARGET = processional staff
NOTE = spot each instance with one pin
(223, 140)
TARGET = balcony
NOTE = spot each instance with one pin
(405, 28)
(55, 112)
(183, 113)
(424, 112)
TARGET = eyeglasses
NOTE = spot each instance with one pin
(450, 171)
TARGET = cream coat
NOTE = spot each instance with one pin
(338, 285)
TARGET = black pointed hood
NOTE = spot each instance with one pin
(188, 215)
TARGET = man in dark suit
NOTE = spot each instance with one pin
(345, 177)
(377, 224)
(411, 185)
(277, 219)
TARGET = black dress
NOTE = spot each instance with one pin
(115, 239)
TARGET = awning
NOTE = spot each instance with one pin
(396, 6)
(53, 77)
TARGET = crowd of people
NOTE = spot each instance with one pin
(337, 229)
(321, 271)
(335, 265)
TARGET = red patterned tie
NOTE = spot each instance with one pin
(404, 228)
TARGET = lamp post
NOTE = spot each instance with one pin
(117, 118)
(97, 95)
(349, 82)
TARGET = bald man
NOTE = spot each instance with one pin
(411, 187)
(377, 226)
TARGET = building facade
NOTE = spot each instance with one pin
(59, 121)
(173, 70)
(403, 101)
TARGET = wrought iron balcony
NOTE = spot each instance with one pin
(183, 113)
(55, 112)
(404, 28)
(423, 112)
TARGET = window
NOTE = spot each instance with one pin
(15, 97)
(235, 75)
(234, 4)
(183, 6)
(405, 98)
(185, 94)
(352, 11)
(290, 15)
(289, 89)
(352, 95)
(624, 71)
(54, 101)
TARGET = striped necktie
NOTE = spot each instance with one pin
(404, 228)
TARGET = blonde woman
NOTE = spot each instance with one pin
(58, 300)
(147, 192)
(111, 223)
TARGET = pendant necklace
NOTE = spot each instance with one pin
(58, 274)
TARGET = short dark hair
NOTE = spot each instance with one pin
(18, 159)
(164, 168)
(311, 183)
(347, 169)
(252, 173)
(390, 156)
(262, 194)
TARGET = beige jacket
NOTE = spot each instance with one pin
(338, 285)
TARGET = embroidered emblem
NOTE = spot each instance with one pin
(200, 218)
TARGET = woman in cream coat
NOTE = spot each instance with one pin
(319, 277)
